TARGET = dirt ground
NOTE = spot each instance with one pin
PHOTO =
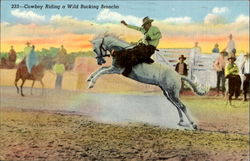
(34, 134)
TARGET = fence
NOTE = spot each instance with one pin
(202, 68)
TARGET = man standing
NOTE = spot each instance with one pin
(216, 48)
(59, 69)
(246, 71)
(62, 53)
(195, 52)
(181, 68)
(12, 56)
(231, 46)
(219, 66)
(143, 51)
(233, 78)
(194, 56)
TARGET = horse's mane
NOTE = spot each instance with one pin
(100, 36)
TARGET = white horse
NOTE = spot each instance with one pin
(157, 74)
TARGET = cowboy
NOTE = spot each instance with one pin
(27, 50)
(141, 52)
(181, 68)
(62, 53)
(12, 55)
(233, 78)
(216, 48)
(245, 67)
(219, 66)
(231, 46)
(31, 59)
(59, 69)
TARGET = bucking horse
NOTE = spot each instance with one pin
(157, 74)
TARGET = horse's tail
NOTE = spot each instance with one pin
(195, 87)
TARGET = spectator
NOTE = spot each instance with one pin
(62, 53)
(246, 71)
(219, 66)
(233, 80)
(231, 46)
(216, 49)
(59, 69)
(80, 68)
(181, 68)
(194, 55)
(12, 56)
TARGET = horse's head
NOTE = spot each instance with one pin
(100, 48)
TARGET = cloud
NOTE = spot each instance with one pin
(28, 16)
(71, 24)
(242, 19)
(220, 10)
(109, 16)
(214, 19)
(178, 20)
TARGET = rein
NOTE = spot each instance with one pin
(102, 48)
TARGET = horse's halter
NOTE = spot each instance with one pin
(102, 48)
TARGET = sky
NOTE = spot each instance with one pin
(181, 22)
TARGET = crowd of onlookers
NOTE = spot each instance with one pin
(228, 73)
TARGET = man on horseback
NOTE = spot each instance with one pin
(142, 52)
(31, 59)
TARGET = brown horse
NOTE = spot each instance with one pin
(37, 73)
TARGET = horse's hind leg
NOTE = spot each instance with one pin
(32, 87)
(16, 80)
(166, 94)
(171, 96)
(184, 109)
(22, 87)
(42, 86)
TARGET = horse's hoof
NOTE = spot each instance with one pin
(22, 95)
(195, 127)
(181, 123)
(90, 86)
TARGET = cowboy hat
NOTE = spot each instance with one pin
(247, 54)
(27, 43)
(146, 20)
(182, 57)
(231, 57)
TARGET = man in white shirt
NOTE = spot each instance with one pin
(194, 56)
(245, 67)
(231, 46)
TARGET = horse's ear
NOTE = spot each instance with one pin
(91, 41)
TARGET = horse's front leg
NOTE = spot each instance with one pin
(97, 71)
(110, 70)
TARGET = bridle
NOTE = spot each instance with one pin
(102, 48)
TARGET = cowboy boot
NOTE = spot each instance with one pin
(127, 71)
(149, 61)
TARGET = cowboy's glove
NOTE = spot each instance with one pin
(124, 23)
(148, 38)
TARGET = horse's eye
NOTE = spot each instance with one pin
(94, 50)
